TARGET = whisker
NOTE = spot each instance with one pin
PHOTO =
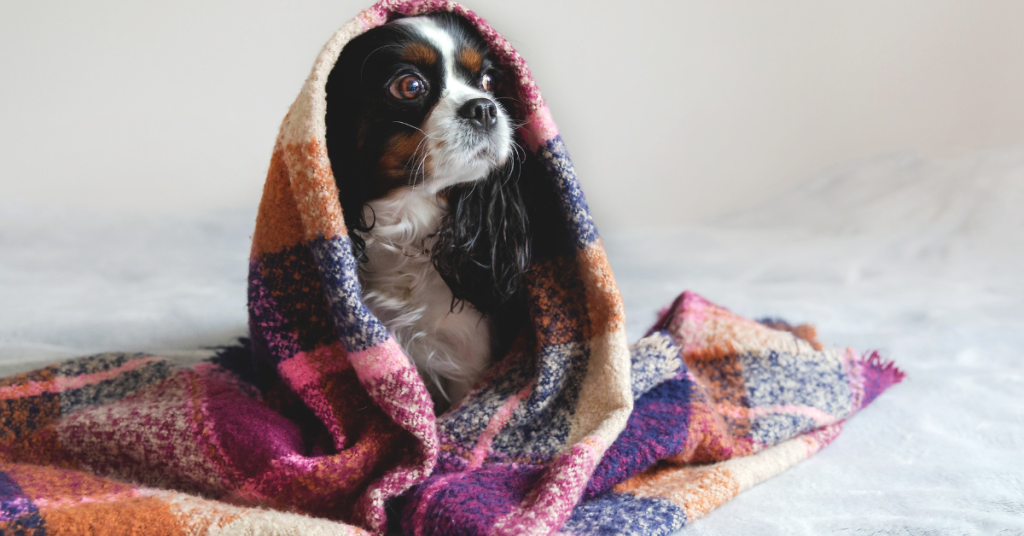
(513, 99)
(520, 152)
(416, 128)
(418, 172)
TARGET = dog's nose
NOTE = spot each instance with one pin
(481, 113)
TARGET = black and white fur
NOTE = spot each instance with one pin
(427, 175)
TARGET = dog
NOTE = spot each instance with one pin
(421, 143)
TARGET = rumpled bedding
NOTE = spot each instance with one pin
(320, 424)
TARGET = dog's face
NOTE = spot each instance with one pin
(412, 103)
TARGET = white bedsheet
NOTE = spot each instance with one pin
(922, 260)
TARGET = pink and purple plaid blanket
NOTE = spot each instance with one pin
(322, 426)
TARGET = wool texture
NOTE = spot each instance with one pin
(321, 425)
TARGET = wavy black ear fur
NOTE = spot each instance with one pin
(483, 246)
(350, 101)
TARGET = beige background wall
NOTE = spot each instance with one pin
(673, 111)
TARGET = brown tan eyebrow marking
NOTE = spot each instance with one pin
(471, 59)
(419, 53)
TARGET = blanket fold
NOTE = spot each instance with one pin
(321, 425)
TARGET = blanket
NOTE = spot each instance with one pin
(319, 424)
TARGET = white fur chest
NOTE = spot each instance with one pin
(400, 285)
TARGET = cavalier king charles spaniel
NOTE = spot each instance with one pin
(427, 168)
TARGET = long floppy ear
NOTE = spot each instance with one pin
(483, 246)
(345, 104)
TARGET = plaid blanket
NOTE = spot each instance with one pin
(320, 424)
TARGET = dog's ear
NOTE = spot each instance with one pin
(345, 104)
(483, 245)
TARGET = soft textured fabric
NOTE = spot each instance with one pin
(572, 431)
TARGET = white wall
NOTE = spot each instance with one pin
(673, 111)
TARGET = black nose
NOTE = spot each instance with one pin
(481, 113)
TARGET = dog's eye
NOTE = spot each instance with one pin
(487, 82)
(408, 87)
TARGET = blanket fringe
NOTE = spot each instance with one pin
(886, 369)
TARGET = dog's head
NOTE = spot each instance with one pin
(418, 103)
(417, 106)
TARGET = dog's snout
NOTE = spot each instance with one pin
(481, 113)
